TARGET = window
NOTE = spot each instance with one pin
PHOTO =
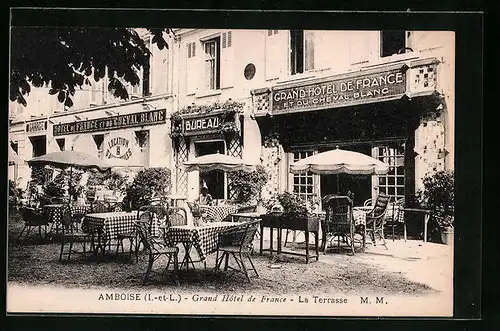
(142, 139)
(98, 140)
(61, 143)
(392, 183)
(39, 144)
(391, 42)
(303, 184)
(212, 64)
(301, 51)
(15, 146)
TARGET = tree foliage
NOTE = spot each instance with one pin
(65, 58)
(148, 182)
(248, 185)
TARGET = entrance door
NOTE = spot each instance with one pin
(359, 185)
(215, 179)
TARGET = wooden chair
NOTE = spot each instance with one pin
(339, 222)
(237, 242)
(156, 249)
(375, 219)
(33, 219)
(71, 235)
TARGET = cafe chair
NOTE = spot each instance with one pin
(196, 212)
(395, 216)
(339, 222)
(237, 242)
(99, 207)
(71, 236)
(156, 249)
(57, 200)
(177, 216)
(375, 219)
(33, 219)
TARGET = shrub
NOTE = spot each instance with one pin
(55, 188)
(248, 185)
(438, 196)
(41, 175)
(15, 194)
(147, 182)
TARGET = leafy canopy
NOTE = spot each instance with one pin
(64, 58)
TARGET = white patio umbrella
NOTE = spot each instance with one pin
(340, 161)
(218, 162)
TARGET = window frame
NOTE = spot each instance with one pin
(381, 43)
(292, 64)
(216, 70)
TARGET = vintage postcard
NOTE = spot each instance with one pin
(231, 171)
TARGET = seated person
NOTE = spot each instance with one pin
(205, 198)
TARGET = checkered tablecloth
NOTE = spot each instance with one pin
(204, 238)
(110, 224)
(53, 212)
(218, 213)
(397, 211)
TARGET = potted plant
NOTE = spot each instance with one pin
(295, 211)
(229, 130)
(438, 197)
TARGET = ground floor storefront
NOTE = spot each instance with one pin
(398, 126)
(129, 135)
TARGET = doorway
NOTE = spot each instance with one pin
(214, 180)
(359, 185)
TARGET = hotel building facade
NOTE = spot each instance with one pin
(271, 97)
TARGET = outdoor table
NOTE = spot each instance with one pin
(426, 219)
(107, 226)
(203, 238)
(218, 213)
(308, 225)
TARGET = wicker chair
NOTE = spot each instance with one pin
(156, 249)
(71, 235)
(176, 216)
(99, 207)
(238, 243)
(33, 219)
(375, 219)
(396, 210)
(339, 222)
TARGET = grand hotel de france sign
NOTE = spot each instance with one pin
(339, 92)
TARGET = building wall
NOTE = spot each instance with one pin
(93, 102)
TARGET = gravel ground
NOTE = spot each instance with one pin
(37, 264)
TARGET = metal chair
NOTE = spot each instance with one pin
(156, 249)
(339, 222)
(70, 235)
(237, 242)
(375, 219)
(33, 219)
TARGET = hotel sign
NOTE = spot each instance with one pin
(339, 92)
(35, 127)
(112, 123)
(206, 124)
